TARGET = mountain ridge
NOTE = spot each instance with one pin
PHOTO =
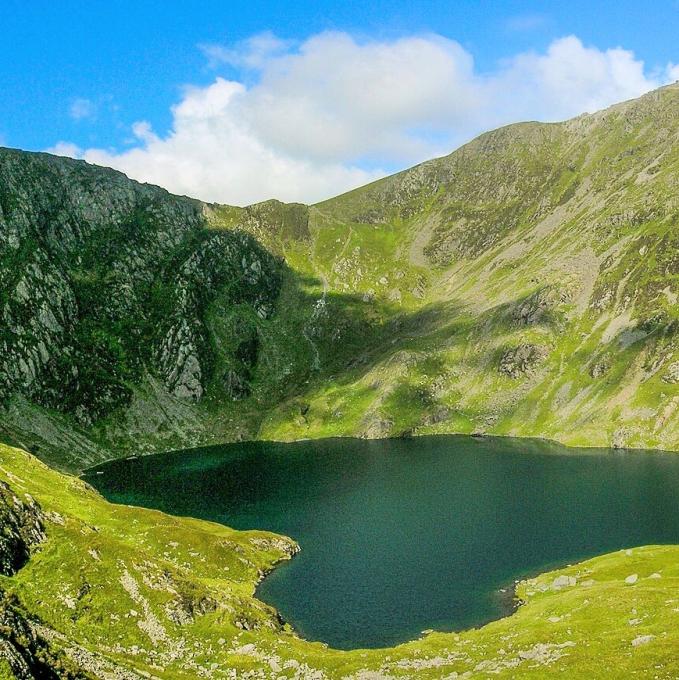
(523, 285)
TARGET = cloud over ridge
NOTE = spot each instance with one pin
(306, 121)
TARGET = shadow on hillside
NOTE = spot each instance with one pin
(341, 337)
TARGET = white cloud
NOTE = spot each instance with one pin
(336, 99)
(66, 149)
(81, 109)
(331, 113)
(212, 153)
(526, 22)
(672, 71)
(251, 53)
(570, 79)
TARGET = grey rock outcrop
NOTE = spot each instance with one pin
(22, 649)
(671, 375)
(522, 360)
(104, 281)
(25, 654)
(539, 306)
(21, 529)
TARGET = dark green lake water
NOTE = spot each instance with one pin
(399, 536)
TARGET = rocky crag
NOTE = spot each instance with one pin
(24, 653)
(104, 285)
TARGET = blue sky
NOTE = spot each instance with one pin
(99, 80)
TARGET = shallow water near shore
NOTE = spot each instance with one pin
(403, 535)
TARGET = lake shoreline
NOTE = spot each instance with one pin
(575, 450)
(405, 535)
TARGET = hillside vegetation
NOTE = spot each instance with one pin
(524, 285)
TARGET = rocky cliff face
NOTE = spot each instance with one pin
(104, 281)
(22, 529)
(24, 654)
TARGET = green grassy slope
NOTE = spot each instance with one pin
(524, 285)
(121, 592)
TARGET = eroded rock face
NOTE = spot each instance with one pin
(104, 280)
(600, 367)
(229, 260)
(184, 609)
(21, 529)
(24, 651)
(21, 648)
(522, 360)
(375, 426)
(671, 375)
(539, 307)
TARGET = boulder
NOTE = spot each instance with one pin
(522, 360)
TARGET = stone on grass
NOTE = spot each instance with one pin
(642, 640)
